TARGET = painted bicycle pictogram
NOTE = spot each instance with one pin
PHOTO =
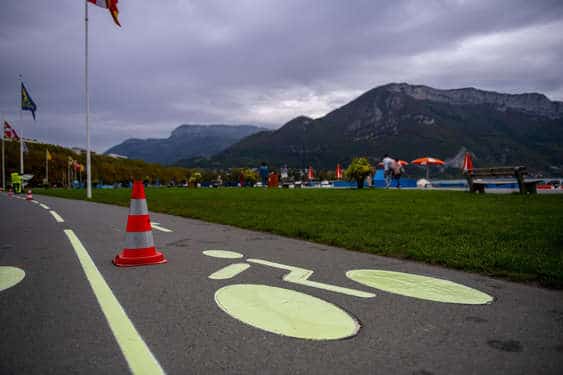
(296, 314)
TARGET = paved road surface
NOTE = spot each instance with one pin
(52, 322)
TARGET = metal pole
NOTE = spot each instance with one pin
(21, 147)
(20, 126)
(47, 167)
(88, 162)
(3, 158)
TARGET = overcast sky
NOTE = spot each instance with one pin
(259, 62)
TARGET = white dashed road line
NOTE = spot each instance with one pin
(44, 206)
(158, 227)
(57, 217)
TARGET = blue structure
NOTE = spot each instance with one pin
(379, 181)
(264, 174)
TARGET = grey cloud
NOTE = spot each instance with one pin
(261, 61)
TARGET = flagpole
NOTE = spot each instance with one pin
(88, 162)
(3, 157)
(21, 145)
(21, 126)
(47, 167)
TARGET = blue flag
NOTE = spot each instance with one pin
(27, 103)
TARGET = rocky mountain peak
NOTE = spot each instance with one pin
(533, 103)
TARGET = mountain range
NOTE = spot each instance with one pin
(410, 121)
(184, 142)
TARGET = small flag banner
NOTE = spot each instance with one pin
(27, 103)
(9, 132)
(338, 171)
(110, 5)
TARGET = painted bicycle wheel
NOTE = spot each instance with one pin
(10, 276)
(286, 312)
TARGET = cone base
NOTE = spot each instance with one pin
(124, 261)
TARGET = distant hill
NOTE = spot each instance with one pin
(184, 142)
(105, 169)
(411, 121)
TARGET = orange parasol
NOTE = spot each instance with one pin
(428, 161)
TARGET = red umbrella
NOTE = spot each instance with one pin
(428, 161)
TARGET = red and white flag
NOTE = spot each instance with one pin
(111, 5)
(310, 174)
(467, 163)
(338, 172)
(9, 132)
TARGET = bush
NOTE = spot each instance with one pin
(358, 170)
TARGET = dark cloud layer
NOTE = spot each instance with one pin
(261, 62)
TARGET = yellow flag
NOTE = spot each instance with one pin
(49, 157)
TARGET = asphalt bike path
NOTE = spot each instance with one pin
(53, 323)
(49, 322)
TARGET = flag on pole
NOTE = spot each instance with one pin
(310, 174)
(27, 103)
(110, 5)
(467, 163)
(338, 172)
(24, 146)
(49, 157)
(9, 132)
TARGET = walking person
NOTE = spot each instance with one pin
(397, 169)
(264, 173)
(387, 170)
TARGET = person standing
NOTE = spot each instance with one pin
(387, 170)
(264, 173)
(241, 179)
(397, 169)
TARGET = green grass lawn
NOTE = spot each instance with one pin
(512, 236)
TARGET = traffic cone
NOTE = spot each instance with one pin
(139, 244)
(29, 196)
(10, 193)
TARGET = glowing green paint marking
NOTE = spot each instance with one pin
(223, 254)
(136, 353)
(286, 312)
(229, 271)
(10, 276)
(417, 286)
(301, 276)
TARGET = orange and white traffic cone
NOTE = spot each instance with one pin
(29, 196)
(139, 243)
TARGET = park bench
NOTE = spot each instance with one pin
(476, 185)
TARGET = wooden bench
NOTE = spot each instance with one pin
(526, 187)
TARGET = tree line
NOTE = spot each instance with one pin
(105, 169)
